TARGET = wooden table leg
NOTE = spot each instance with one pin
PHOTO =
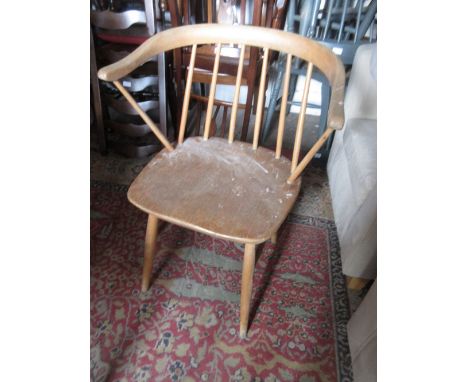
(150, 244)
(246, 287)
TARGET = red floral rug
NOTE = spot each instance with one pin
(185, 328)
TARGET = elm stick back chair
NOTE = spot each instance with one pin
(224, 188)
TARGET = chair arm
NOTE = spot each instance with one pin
(336, 108)
(120, 68)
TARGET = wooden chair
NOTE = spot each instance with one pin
(224, 188)
(265, 13)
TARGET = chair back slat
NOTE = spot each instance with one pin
(188, 86)
(210, 11)
(300, 121)
(144, 116)
(209, 108)
(235, 102)
(284, 105)
(261, 98)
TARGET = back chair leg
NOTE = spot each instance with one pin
(247, 111)
(162, 94)
(150, 245)
(274, 238)
(246, 288)
(97, 104)
(272, 105)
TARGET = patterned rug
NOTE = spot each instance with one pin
(185, 328)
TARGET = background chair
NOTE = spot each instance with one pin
(342, 26)
(266, 13)
(221, 187)
(118, 28)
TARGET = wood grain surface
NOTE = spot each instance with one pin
(226, 190)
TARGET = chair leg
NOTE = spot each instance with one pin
(356, 283)
(162, 94)
(247, 111)
(150, 244)
(274, 238)
(97, 104)
(248, 266)
(291, 91)
(272, 105)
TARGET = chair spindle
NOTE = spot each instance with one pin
(144, 116)
(284, 105)
(261, 98)
(209, 109)
(235, 103)
(188, 87)
(308, 157)
(300, 122)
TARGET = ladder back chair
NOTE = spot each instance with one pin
(224, 188)
(265, 13)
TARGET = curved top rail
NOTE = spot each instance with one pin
(282, 41)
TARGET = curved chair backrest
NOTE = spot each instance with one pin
(267, 39)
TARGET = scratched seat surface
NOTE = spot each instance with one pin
(227, 190)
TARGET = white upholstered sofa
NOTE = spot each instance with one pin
(362, 338)
(352, 173)
(352, 169)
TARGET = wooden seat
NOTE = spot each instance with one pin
(230, 190)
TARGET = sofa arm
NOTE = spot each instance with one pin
(361, 94)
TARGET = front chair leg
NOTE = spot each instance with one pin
(246, 287)
(150, 244)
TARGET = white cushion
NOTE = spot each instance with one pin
(360, 146)
(361, 94)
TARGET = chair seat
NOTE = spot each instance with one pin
(226, 190)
